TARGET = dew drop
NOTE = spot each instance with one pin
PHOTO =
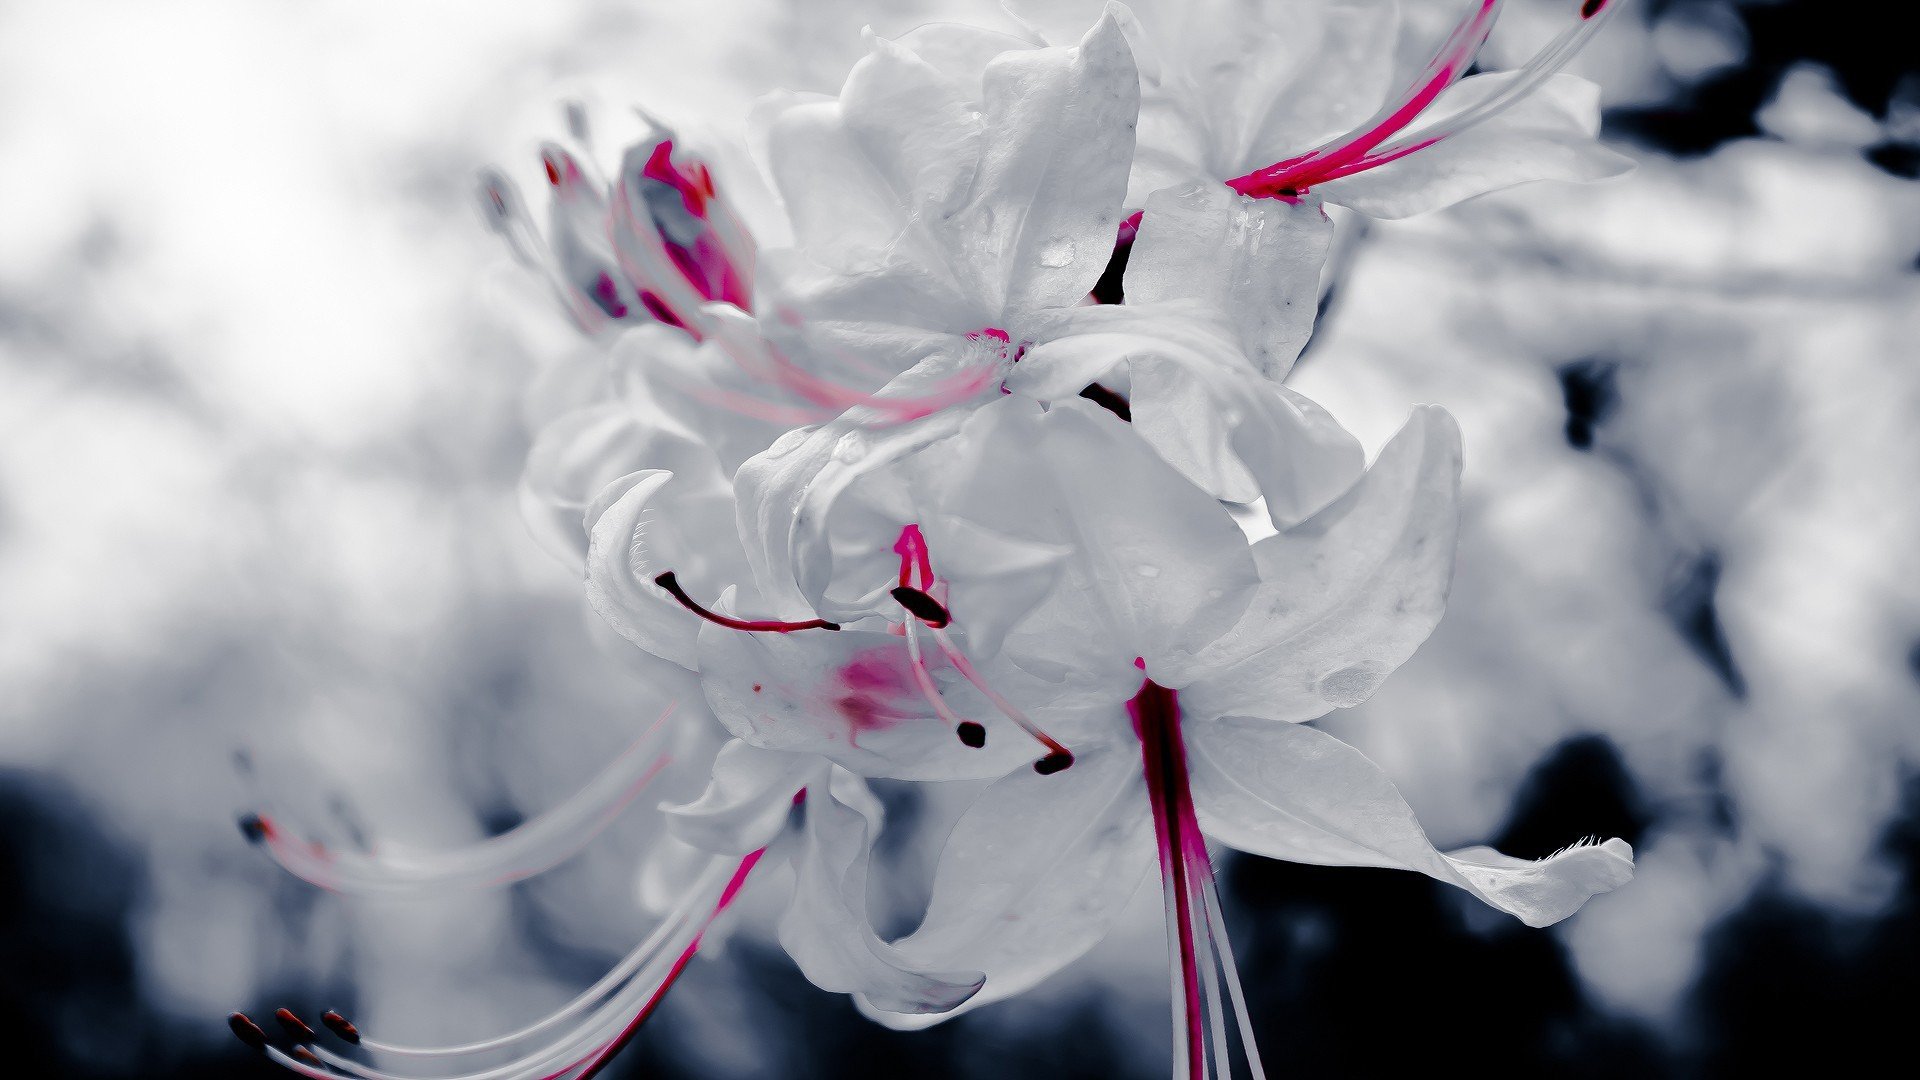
(1057, 252)
(1147, 571)
(850, 447)
(1353, 684)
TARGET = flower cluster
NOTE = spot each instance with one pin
(992, 476)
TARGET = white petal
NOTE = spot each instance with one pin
(747, 799)
(1346, 596)
(1157, 569)
(1547, 135)
(1258, 259)
(1294, 792)
(826, 928)
(1033, 876)
(916, 124)
(1040, 227)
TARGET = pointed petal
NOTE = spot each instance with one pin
(1039, 228)
(826, 928)
(1547, 135)
(1293, 792)
(1346, 596)
(1033, 876)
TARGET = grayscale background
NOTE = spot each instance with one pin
(263, 402)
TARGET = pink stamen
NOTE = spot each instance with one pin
(1058, 756)
(606, 1053)
(912, 549)
(970, 732)
(773, 626)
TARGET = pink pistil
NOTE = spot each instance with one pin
(1183, 851)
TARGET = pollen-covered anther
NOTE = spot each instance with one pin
(295, 1027)
(922, 606)
(972, 733)
(247, 1031)
(672, 587)
(254, 828)
(1057, 761)
(340, 1026)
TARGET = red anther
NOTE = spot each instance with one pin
(1054, 762)
(922, 607)
(294, 1026)
(972, 733)
(774, 626)
(1591, 8)
(553, 171)
(255, 828)
(307, 1057)
(1108, 400)
(340, 1026)
(247, 1031)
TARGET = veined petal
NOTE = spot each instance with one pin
(1546, 135)
(916, 124)
(747, 799)
(1039, 228)
(826, 928)
(844, 212)
(1347, 595)
(1157, 569)
(648, 523)
(1257, 259)
(1032, 877)
(1293, 792)
(962, 51)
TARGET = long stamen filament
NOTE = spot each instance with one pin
(671, 584)
(530, 849)
(971, 732)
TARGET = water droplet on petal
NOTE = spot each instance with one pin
(1351, 685)
(850, 447)
(1147, 571)
(1057, 252)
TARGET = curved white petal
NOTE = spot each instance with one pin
(826, 928)
(654, 523)
(1032, 877)
(1547, 135)
(1289, 791)
(747, 799)
(1346, 596)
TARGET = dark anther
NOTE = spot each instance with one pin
(1591, 8)
(973, 734)
(1108, 400)
(340, 1026)
(254, 828)
(247, 1031)
(295, 1027)
(922, 607)
(1053, 763)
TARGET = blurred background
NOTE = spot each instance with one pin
(264, 384)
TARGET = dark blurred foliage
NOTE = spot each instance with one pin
(1349, 972)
